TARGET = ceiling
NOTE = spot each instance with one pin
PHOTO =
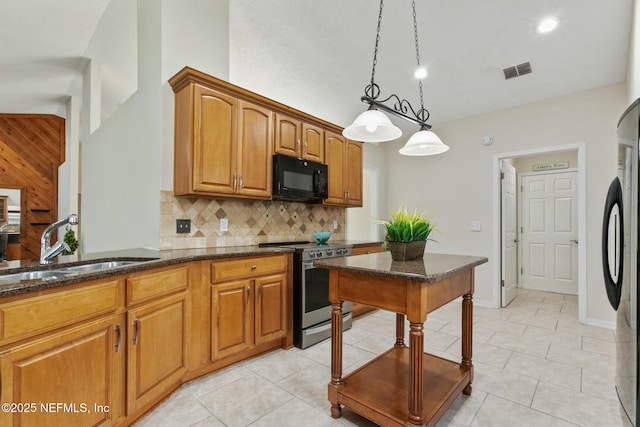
(464, 44)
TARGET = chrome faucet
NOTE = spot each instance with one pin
(48, 252)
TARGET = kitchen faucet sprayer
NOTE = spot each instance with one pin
(48, 252)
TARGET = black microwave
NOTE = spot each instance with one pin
(299, 180)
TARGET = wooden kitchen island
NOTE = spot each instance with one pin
(403, 386)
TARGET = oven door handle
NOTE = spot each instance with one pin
(327, 326)
(308, 265)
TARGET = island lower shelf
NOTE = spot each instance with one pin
(383, 384)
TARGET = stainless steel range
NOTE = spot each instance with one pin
(311, 306)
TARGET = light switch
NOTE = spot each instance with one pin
(476, 225)
(224, 224)
(335, 224)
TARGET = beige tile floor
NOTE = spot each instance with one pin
(535, 365)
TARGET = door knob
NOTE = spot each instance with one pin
(574, 241)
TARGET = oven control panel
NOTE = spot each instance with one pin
(328, 252)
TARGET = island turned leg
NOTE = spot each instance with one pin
(416, 350)
(467, 336)
(399, 330)
(336, 358)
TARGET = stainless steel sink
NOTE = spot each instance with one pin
(36, 275)
(61, 272)
(97, 266)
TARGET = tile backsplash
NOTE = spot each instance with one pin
(250, 221)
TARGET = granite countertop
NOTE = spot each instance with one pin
(430, 269)
(152, 259)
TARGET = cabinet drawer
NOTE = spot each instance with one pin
(246, 267)
(152, 285)
(30, 316)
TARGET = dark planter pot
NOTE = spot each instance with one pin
(405, 251)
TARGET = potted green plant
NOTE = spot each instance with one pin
(407, 234)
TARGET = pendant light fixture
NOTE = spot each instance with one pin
(374, 126)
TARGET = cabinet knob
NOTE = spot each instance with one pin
(254, 267)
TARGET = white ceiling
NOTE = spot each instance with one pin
(465, 45)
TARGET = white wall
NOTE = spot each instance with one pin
(121, 160)
(633, 68)
(195, 33)
(129, 158)
(456, 187)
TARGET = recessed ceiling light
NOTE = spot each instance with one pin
(420, 73)
(547, 25)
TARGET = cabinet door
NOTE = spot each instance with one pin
(255, 147)
(157, 337)
(214, 141)
(353, 167)
(335, 159)
(81, 368)
(232, 318)
(270, 314)
(312, 143)
(287, 138)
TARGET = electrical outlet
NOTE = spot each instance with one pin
(335, 224)
(476, 225)
(183, 226)
(224, 224)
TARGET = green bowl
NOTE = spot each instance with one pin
(322, 237)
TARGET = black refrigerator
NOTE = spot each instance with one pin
(620, 259)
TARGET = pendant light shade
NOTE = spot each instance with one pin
(372, 126)
(423, 143)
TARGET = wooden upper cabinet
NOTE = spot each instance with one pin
(214, 150)
(335, 157)
(312, 143)
(344, 161)
(287, 140)
(296, 138)
(255, 145)
(225, 137)
(223, 145)
(353, 169)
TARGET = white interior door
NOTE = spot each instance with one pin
(549, 232)
(509, 233)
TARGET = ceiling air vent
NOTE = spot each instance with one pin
(518, 70)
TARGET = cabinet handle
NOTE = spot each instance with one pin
(241, 181)
(348, 195)
(248, 294)
(235, 180)
(136, 331)
(118, 335)
(306, 148)
(297, 146)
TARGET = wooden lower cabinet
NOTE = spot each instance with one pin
(270, 308)
(70, 378)
(247, 313)
(231, 318)
(104, 353)
(157, 347)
